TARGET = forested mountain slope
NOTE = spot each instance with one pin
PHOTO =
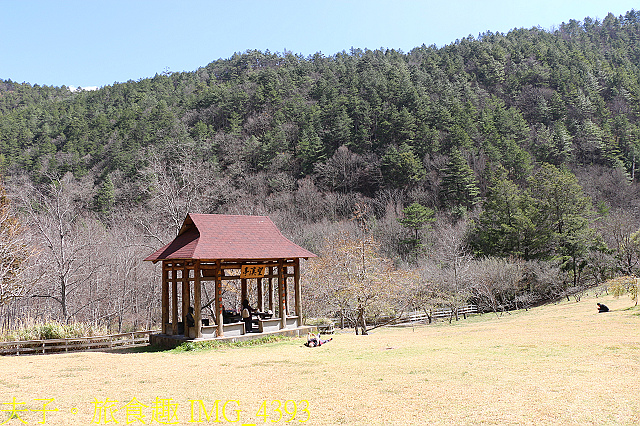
(564, 96)
(492, 130)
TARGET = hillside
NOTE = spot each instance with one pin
(519, 146)
(567, 96)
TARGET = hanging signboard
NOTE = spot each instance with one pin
(253, 271)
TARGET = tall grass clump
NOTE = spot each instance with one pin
(53, 330)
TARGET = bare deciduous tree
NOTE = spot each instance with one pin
(618, 228)
(15, 252)
(70, 240)
(131, 286)
(495, 283)
(183, 186)
(448, 268)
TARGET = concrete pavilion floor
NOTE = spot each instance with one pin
(171, 341)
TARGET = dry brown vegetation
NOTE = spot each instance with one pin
(557, 364)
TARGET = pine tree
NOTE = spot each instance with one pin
(459, 182)
(507, 224)
(401, 167)
(105, 197)
(565, 214)
(416, 217)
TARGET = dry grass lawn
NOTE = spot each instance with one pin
(560, 364)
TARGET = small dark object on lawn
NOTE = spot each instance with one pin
(602, 308)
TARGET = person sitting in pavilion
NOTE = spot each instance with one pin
(246, 313)
(191, 321)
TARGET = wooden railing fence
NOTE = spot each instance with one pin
(76, 344)
(417, 316)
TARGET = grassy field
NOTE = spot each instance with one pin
(560, 364)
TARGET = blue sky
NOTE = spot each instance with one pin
(96, 43)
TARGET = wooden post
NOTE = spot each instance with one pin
(286, 291)
(197, 303)
(218, 296)
(260, 306)
(297, 290)
(270, 289)
(174, 300)
(282, 295)
(165, 296)
(185, 298)
(244, 295)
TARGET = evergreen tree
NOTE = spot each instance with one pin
(401, 167)
(416, 217)
(104, 199)
(507, 223)
(459, 186)
(548, 220)
(565, 214)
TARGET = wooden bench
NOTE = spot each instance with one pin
(326, 328)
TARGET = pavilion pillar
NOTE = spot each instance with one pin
(165, 296)
(297, 288)
(185, 298)
(282, 295)
(270, 289)
(260, 306)
(243, 290)
(197, 303)
(286, 292)
(174, 299)
(218, 298)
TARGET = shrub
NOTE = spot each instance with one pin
(214, 344)
(318, 321)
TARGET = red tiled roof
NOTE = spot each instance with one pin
(229, 237)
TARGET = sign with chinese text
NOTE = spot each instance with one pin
(253, 271)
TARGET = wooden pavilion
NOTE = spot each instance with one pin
(212, 247)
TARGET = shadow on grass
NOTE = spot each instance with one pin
(635, 310)
(137, 349)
